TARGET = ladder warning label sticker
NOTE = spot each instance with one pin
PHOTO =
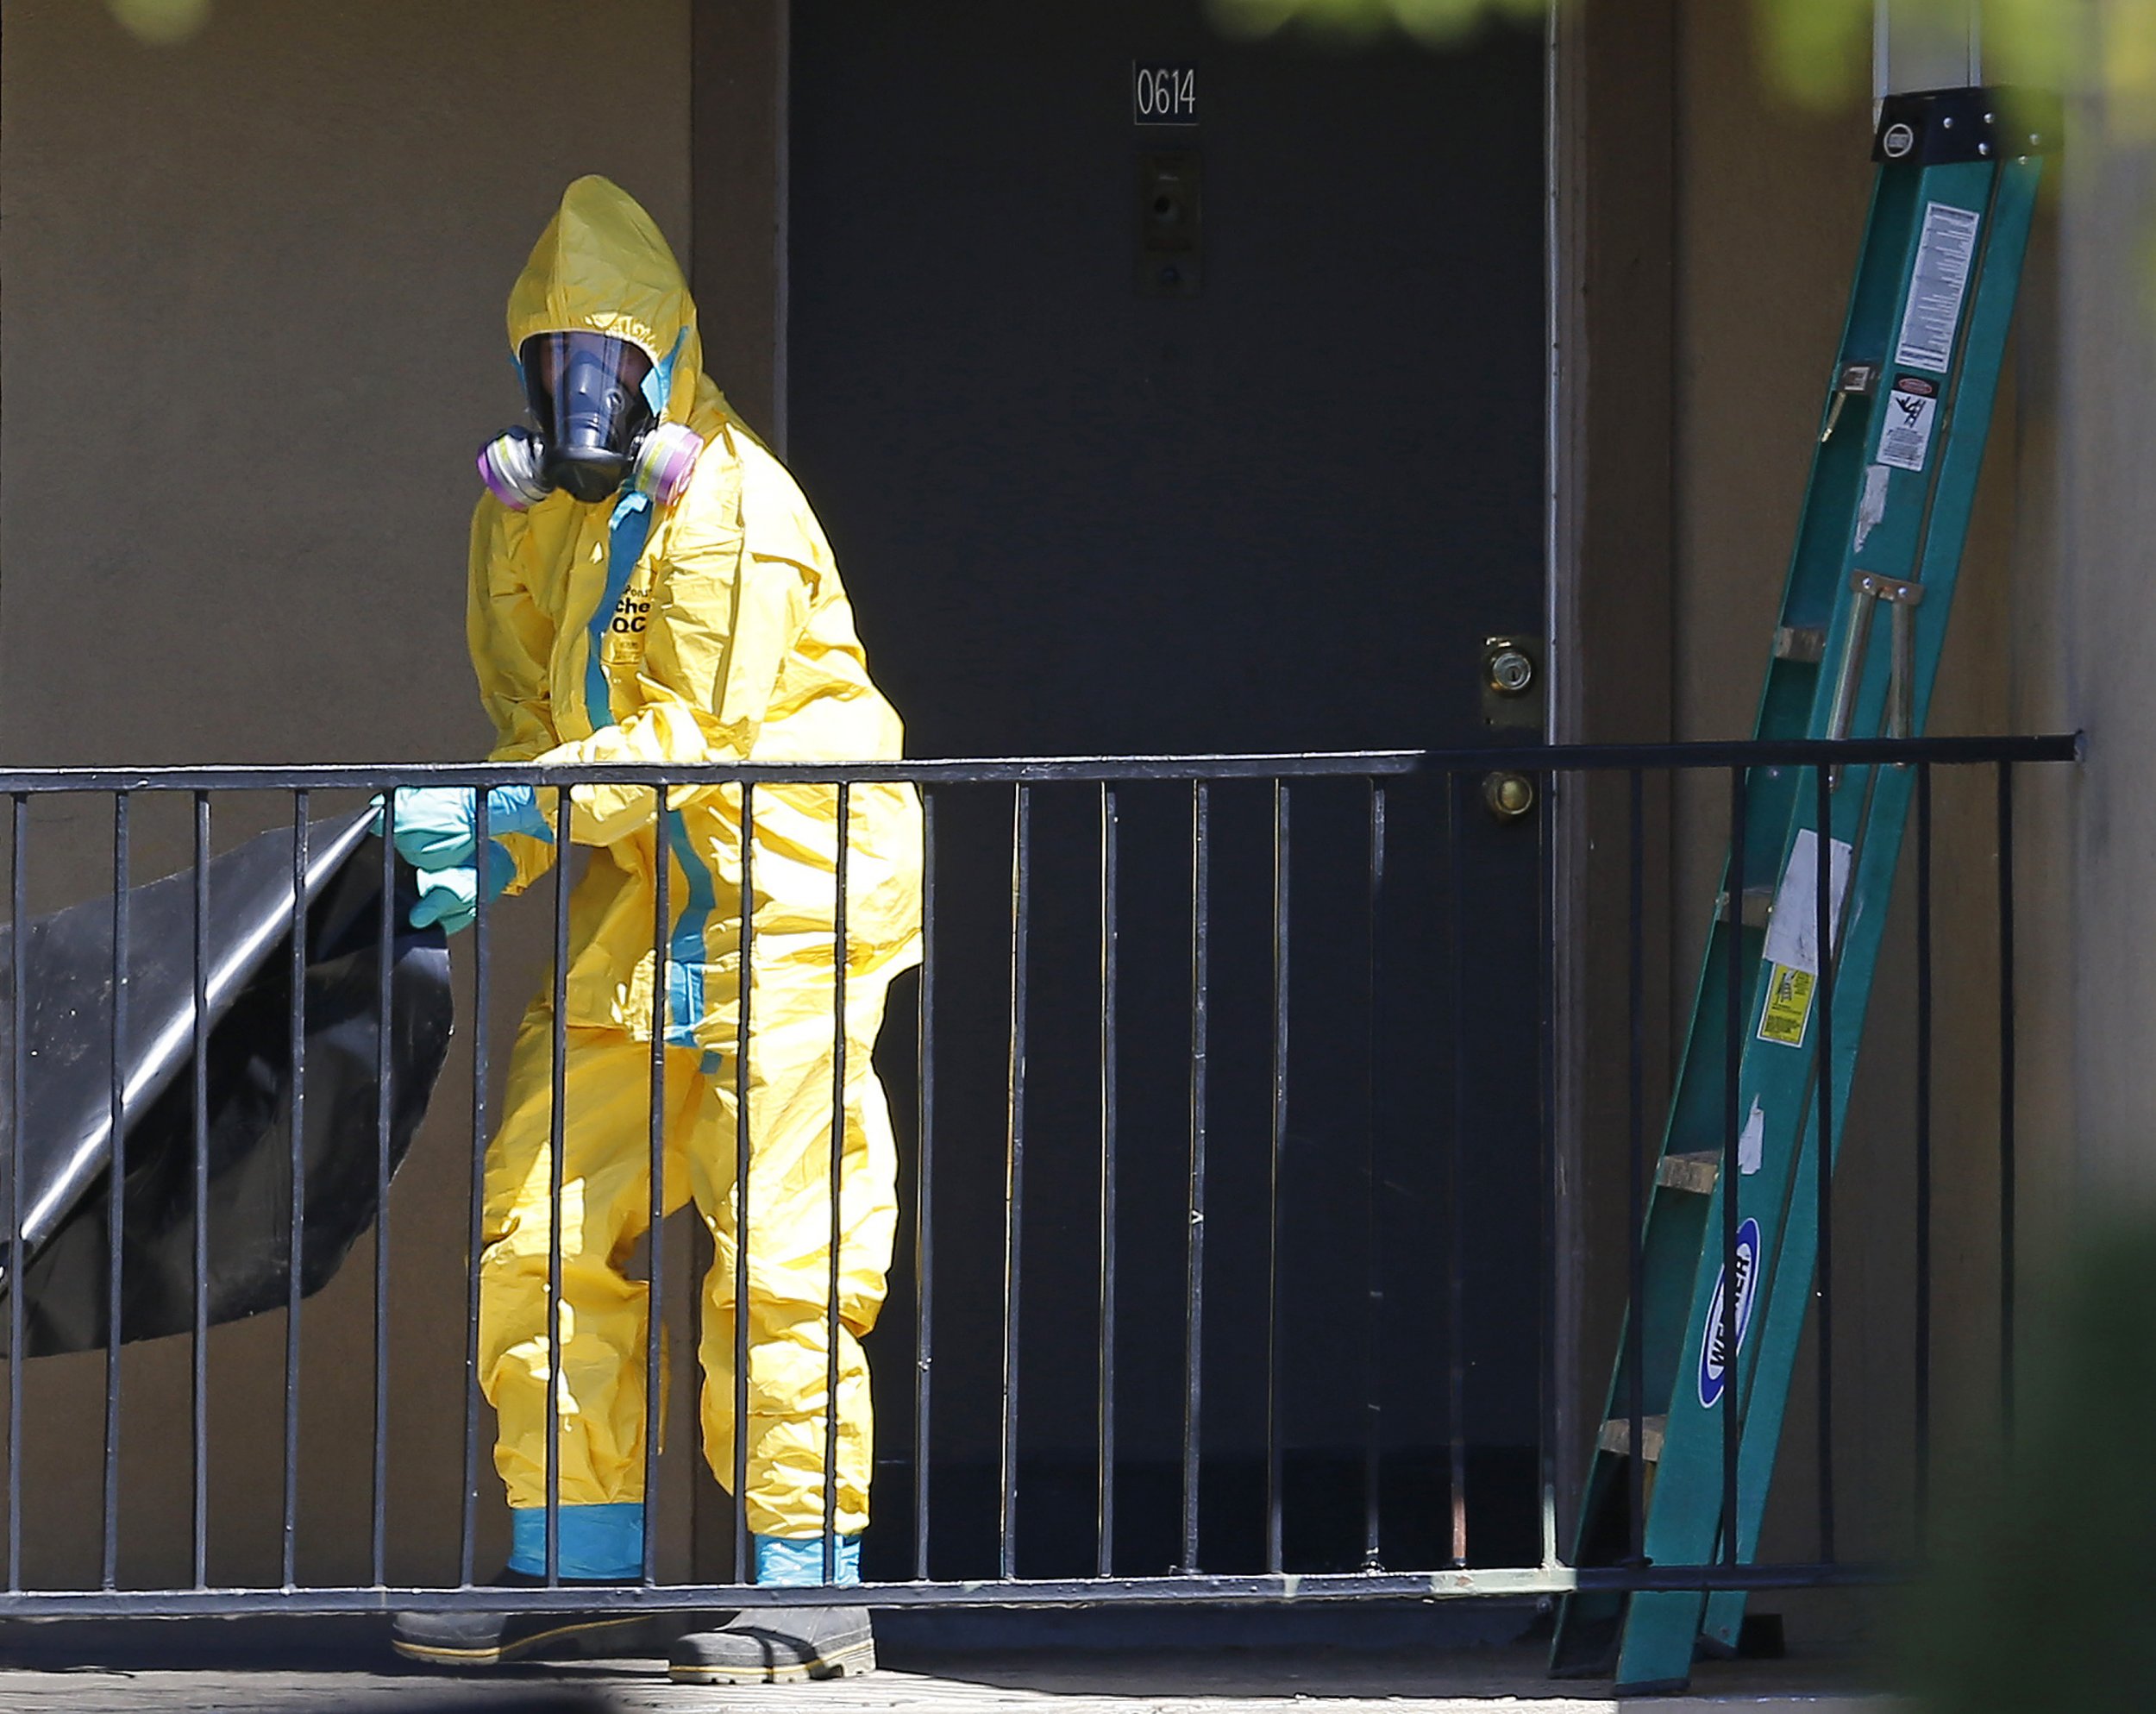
(1715, 1355)
(1905, 441)
(1941, 277)
(1788, 1006)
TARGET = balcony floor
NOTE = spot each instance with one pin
(1146, 1681)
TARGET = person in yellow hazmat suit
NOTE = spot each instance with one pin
(648, 585)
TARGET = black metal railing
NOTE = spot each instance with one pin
(1240, 1018)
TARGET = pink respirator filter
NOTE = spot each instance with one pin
(666, 460)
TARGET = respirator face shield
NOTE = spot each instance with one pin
(598, 432)
(586, 391)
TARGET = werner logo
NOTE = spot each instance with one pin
(1714, 1356)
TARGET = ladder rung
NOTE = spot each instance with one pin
(1694, 1172)
(1616, 1436)
(1759, 905)
(1806, 642)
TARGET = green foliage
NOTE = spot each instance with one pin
(1818, 51)
(1435, 22)
(161, 22)
(2039, 1596)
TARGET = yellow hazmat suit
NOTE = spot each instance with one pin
(727, 637)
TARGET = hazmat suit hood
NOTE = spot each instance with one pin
(602, 266)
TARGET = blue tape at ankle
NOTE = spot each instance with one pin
(596, 1541)
(799, 1565)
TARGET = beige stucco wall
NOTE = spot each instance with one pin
(2104, 636)
(253, 292)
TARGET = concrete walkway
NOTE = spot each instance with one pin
(1224, 1681)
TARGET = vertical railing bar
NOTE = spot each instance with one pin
(1824, 940)
(838, 1166)
(1636, 1168)
(1195, 1250)
(116, 1182)
(475, 1232)
(1105, 1404)
(198, 1102)
(557, 1139)
(1550, 785)
(1014, 1176)
(1455, 1221)
(1923, 1354)
(701, 1282)
(923, 1175)
(1732, 1073)
(18, 1069)
(384, 1001)
(1275, 1453)
(296, 1210)
(744, 1566)
(655, 1173)
(1373, 1211)
(2007, 1188)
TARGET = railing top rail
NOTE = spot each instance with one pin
(1009, 770)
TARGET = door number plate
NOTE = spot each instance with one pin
(1163, 95)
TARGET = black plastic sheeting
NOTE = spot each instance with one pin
(65, 1202)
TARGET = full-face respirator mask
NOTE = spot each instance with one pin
(597, 400)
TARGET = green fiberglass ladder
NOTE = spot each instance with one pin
(1702, 1377)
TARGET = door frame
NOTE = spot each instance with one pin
(1612, 543)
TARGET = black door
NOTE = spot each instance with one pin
(1139, 438)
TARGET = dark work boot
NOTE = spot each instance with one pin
(778, 1645)
(490, 1639)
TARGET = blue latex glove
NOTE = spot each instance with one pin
(451, 896)
(436, 825)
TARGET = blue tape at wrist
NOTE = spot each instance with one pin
(515, 809)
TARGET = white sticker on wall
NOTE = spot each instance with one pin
(1792, 932)
(1936, 287)
(1906, 440)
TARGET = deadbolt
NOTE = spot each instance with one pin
(1508, 796)
(1511, 674)
(1510, 668)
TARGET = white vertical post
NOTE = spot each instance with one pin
(1882, 53)
(1928, 47)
